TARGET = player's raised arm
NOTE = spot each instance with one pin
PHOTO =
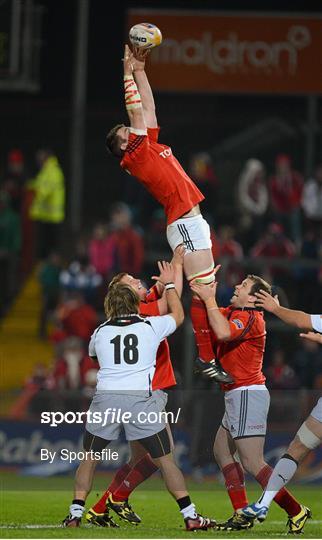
(218, 322)
(144, 87)
(300, 319)
(166, 277)
(177, 262)
(131, 93)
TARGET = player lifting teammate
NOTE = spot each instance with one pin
(125, 347)
(155, 166)
(239, 339)
(308, 437)
(140, 467)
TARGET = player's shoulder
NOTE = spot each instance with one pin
(160, 321)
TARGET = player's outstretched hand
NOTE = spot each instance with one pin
(128, 61)
(312, 336)
(204, 291)
(178, 255)
(216, 269)
(267, 301)
(166, 273)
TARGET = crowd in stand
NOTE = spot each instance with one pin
(277, 220)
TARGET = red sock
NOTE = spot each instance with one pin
(200, 323)
(283, 498)
(142, 470)
(122, 473)
(235, 485)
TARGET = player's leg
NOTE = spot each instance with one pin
(159, 447)
(194, 233)
(84, 480)
(138, 469)
(143, 466)
(308, 437)
(224, 452)
(127, 478)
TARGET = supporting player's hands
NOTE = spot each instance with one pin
(267, 301)
(178, 255)
(167, 273)
(128, 61)
(312, 336)
(205, 292)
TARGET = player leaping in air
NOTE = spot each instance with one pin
(155, 166)
(309, 436)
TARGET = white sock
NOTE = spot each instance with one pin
(189, 511)
(76, 510)
(282, 473)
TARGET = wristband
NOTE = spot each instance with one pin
(132, 95)
(169, 286)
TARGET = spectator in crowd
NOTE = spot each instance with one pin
(74, 375)
(202, 171)
(312, 200)
(286, 187)
(76, 318)
(71, 369)
(129, 244)
(228, 245)
(253, 199)
(281, 376)
(308, 280)
(10, 245)
(231, 271)
(156, 233)
(275, 244)
(307, 362)
(50, 289)
(15, 178)
(82, 276)
(32, 399)
(48, 205)
(102, 251)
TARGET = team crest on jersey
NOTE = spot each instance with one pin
(238, 323)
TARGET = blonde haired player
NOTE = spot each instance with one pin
(308, 437)
(155, 166)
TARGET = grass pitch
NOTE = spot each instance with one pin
(35, 507)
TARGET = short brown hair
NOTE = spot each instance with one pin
(112, 140)
(121, 300)
(259, 283)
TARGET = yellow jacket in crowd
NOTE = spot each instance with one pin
(49, 186)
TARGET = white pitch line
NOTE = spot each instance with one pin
(51, 526)
(26, 526)
(312, 521)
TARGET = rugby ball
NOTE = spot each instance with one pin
(145, 35)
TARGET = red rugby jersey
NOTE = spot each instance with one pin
(159, 171)
(163, 375)
(242, 356)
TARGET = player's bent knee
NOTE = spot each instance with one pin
(94, 443)
(157, 445)
(204, 276)
(308, 438)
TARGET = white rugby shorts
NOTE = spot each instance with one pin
(317, 411)
(193, 232)
(246, 411)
